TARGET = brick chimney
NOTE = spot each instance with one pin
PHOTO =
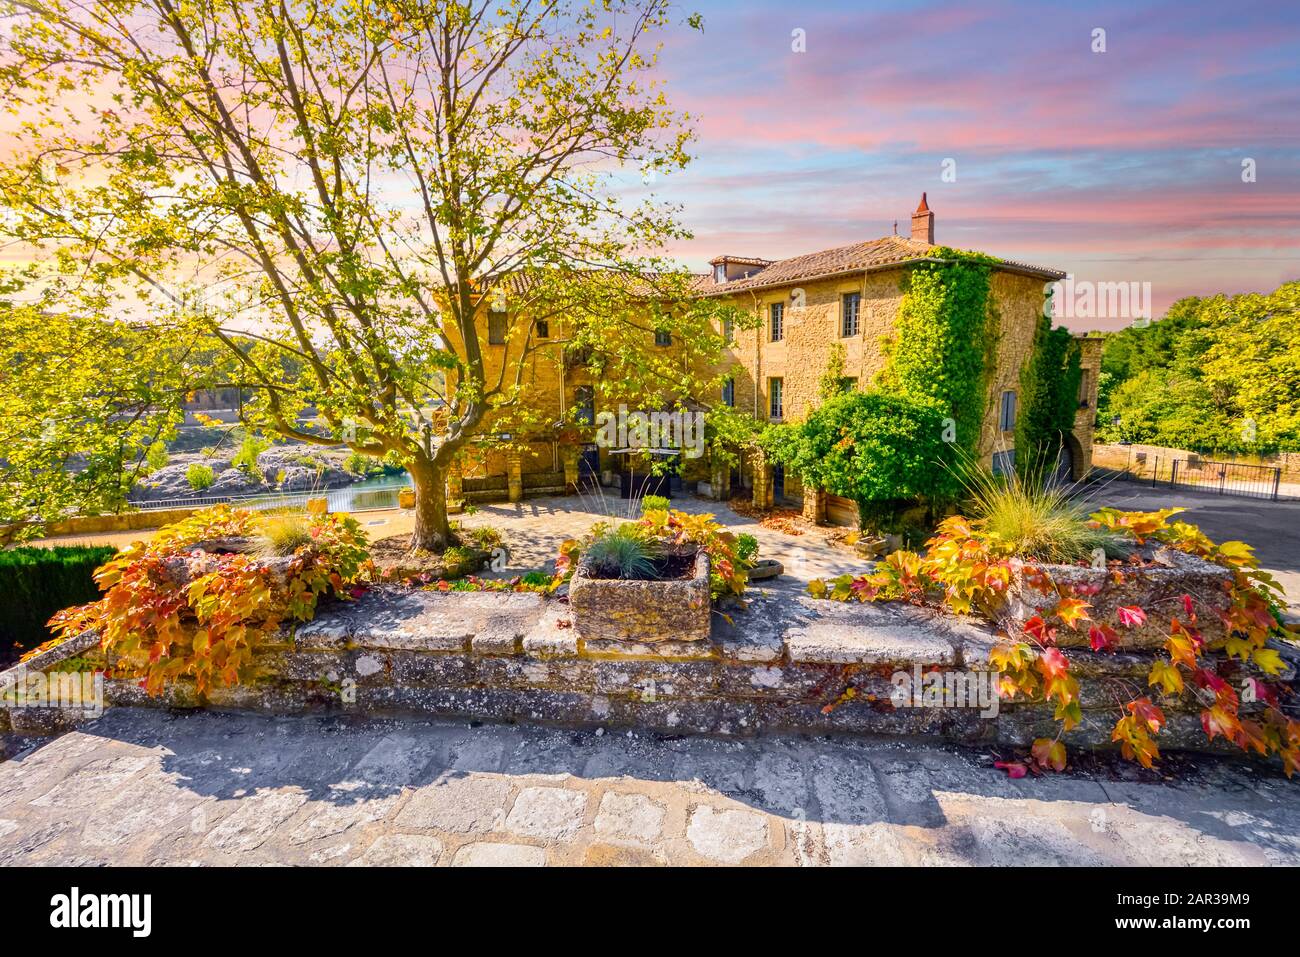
(923, 223)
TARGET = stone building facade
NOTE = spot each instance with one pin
(803, 308)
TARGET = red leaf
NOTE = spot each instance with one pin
(1103, 638)
(1014, 769)
(1131, 616)
(1187, 607)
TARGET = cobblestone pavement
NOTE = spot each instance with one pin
(146, 787)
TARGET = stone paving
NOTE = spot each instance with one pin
(141, 786)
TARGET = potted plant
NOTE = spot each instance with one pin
(655, 579)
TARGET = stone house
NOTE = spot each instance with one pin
(806, 305)
(803, 307)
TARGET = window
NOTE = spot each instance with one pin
(1083, 389)
(1004, 463)
(729, 393)
(543, 329)
(663, 337)
(777, 313)
(729, 329)
(584, 401)
(496, 328)
(776, 398)
(850, 305)
(849, 383)
(1007, 416)
(720, 272)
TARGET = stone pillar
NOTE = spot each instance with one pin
(764, 494)
(455, 489)
(569, 455)
(814, 505)
(720, 480)
(515, 476)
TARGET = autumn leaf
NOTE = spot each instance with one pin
(1268, 661)
(1014, 769)
(1218, 721)
(1167, 676)
(1071, 611)
(1131, 616)
(1148, 715)
(1102, 638)
(1049, 753)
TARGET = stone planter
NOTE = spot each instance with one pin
(606, 609)
(1157, 589)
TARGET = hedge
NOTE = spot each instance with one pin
(37, 582)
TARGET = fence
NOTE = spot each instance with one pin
(1195, 473)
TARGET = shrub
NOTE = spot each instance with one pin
(1049, 396)
(654, 502)
(205, 622)
(37, 582)
(200, 476)
(246, 458)
(358, 463)
(882, 451)
(746, 549)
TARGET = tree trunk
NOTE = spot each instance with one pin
(432, 533)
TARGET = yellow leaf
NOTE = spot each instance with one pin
(1268, 660)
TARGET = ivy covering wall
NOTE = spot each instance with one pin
(1049, 390)
(946, 338)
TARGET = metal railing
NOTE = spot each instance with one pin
(1205, 475)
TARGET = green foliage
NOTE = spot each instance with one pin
(83, 401)
(945, 337)
(833, 382)
(236, 146)
(746, 549)
(729, 434)
(880, 450)
(1214, 374)
(651, 502)
(1049, 397)
(156, 457)
(625, 551)
(37, 582)
(200, 476)
(250, 448)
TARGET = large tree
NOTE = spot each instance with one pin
(334, 193)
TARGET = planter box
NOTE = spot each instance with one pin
(608, 609)
(1157, 589)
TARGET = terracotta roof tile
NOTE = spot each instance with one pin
(873, 254)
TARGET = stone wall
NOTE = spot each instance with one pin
(784, 664)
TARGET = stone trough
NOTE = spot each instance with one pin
(1157, 588)
(783, 664)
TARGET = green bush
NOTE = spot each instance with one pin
(654, 502)
(37, 582)
(882, 451)
(200, 476)
(249, 449)
(1049, 397)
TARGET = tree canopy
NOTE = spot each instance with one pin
(1214, 374)
(334, 193)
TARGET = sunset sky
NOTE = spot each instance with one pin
(1124, 165)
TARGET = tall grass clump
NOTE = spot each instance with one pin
(1038, 519)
